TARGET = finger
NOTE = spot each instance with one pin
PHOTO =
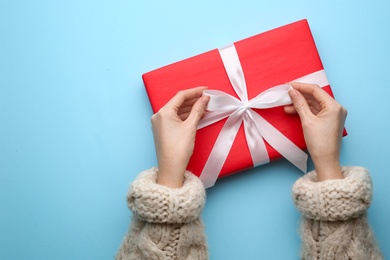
(290, 109)
(190, 102)
(184, 95)
(187, 105)
(198, 109)
(185, 108)
(314, 91)
(300, 104)
(184, 116)
(314, 106)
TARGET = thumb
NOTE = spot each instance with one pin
(198, 109)
(300, 103)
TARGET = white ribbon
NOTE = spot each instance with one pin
(257, 129)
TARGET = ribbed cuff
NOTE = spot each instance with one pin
(332, 200)
(156, 203)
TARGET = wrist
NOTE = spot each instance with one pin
(328, 168)
(170, 180)
(171, 174)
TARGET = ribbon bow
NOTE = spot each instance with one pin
(257, 129)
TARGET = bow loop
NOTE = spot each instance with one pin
(273, 97)
(221, 101)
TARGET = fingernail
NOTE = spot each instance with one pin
(205, 98)
(292, 93)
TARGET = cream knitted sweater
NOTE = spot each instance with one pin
(334, 220)
(166, 222)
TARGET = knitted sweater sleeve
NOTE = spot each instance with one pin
(334, 224)
(332, 200)
(155, 203)
(166, 222)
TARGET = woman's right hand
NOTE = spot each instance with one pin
(322, 121)
(174, 128)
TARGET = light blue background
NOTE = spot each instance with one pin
(75, 129)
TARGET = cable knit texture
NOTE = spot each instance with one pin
(166, 222)
(334, 223)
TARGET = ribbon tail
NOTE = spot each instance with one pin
(281, 143)
(255, 141)
(221, 150)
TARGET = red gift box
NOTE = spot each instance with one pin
(267, 60)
